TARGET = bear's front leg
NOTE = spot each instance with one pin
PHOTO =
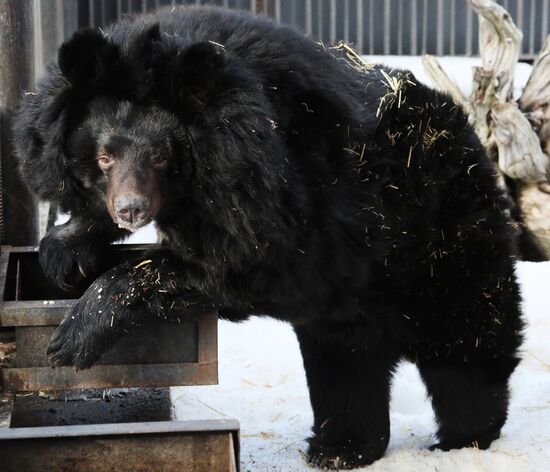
(71, 252)
(349, 392)
(157, 285)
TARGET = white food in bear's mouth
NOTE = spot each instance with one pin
(132, 227)
(128, 227)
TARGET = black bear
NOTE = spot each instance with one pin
(288, 179)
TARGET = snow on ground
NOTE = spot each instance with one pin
(262, 384)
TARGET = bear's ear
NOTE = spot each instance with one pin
(193, 75)
(86, 57)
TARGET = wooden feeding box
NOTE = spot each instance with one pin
(176, 354)
(130, 431)
(133, 429)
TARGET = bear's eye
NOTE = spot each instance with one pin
(105, 161)
(158, 160)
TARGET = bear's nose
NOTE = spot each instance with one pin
(131, 209)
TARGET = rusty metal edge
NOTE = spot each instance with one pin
(34, 312)
(48, 312)
(112, 376)
(117, 429)
(208, 338)
(31, 312)
(229, 427)
(237, 446)
(24, 249)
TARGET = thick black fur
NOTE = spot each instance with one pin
(357, 205)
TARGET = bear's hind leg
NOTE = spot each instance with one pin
(349, 392)
(470, 401)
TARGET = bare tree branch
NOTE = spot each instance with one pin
(536, 94)
(535, 207)
(517, 138)
(499, 44)
(519, 153)
(443, 82)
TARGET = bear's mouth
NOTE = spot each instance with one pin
(132, 226)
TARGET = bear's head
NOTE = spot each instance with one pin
(146, 127)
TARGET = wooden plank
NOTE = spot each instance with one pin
(35, 312)
(113, 247)
(178, 354)
(173, 452)
(118, 429)
(112, 376)
(232, 466)
(208, 338)
(44, 312)
(149, 343)
(134, 445)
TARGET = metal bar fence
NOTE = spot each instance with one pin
(443, 27)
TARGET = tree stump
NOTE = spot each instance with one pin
(516, 135)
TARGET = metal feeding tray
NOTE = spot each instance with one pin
(123, 429)
(155, 354)
(132, 430)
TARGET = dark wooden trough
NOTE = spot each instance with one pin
(98, 434)
(133, 430)
(178, 354)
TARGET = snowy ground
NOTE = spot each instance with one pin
(262, 382)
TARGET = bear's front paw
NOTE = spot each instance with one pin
(339, 457)
(91, 327)
(65, 262)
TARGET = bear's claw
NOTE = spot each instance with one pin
(90, 328)
(66, 263)
(67, 347)
(339, 457)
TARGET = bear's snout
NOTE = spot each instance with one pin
(132, 211)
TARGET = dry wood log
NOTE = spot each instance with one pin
(499, 44)
(535, 99)
(519, 153)
(517, 138)
(536, 94)
(443, 82)
(544, 133)
(534, 202)
(482, 99)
